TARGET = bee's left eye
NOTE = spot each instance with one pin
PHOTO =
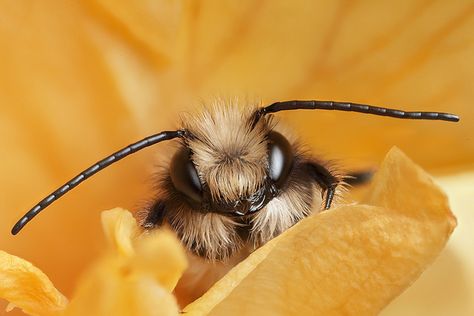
(185, 177)
(280, 158)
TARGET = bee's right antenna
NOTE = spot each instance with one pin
(355, 107)
(100, 165)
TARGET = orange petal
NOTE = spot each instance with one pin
(25, 286)
(120, 227)
(112, 288)
(158, 253)
(350, 260)
(135, 280)
(161, 255)
(458, 287)
(403, 186)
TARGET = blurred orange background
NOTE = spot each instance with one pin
(82, 79)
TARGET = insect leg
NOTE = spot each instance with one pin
(155, 216)
(325, 179)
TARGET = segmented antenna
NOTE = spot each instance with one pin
(100, 165)
(355, 107)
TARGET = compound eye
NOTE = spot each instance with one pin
(280, 158)
(185, 177)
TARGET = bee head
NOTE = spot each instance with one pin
(228, 163)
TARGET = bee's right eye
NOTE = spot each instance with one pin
(280, 158)
(185, 177)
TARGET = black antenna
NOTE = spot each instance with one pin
(355, 107)
(100, 165)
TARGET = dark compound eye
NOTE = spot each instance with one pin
(280, 158)
(185, 177)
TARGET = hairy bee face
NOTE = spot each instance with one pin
(230, 159)
(233, 184)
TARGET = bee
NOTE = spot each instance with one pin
(237, 178)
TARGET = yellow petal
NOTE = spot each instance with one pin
(161, 255)
(457, 288)
(158, 253)
(25, 286)
(350, 260)
(120, 227)
(112, 288)
(139, 283)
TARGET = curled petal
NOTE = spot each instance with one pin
(120, 228)
(402, 186)
(351, 260)
(158, 253)
(112, 288)
(161, 255)
(25, 286)
(135, 277)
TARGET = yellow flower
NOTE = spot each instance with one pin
(353, 259)
(81, 79)
(134, 277)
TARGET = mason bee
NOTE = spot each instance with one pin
(237, 179)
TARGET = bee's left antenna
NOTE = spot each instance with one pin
(355, 107)
(100, 165)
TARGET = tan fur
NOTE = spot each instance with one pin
(228, 153)
(210, 234)
(280, 214)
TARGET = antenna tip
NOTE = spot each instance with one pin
(452, 117)
(19, 225)
(15, 230)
